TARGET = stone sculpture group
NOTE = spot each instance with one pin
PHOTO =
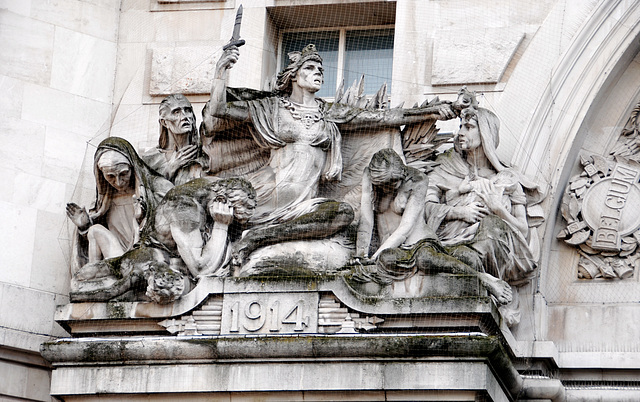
(285, 183)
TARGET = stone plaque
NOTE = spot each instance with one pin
(473, 55)
(187, 70)
(270, 313)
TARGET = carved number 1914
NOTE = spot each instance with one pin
(254, 317)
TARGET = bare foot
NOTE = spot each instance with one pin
(498, 288)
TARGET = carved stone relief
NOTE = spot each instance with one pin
(284, 183)
(600, 208)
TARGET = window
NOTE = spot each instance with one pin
(347, 54)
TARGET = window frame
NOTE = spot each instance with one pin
(342, 46)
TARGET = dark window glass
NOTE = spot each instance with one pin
(369, 52)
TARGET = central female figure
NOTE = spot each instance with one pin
(304, 147)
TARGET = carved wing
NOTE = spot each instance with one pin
(421, 140)
(358, 145)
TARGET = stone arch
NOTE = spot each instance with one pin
(586, 78)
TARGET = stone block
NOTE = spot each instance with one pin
(468, 56)
(187, 70)
(7, 181)
(25, 309)
(11, 102)
(40, 193)
(50, 268)
(17, 239)
(22, 145)
(130, 85)
(18, 7)
(95, 18)
(27, 48)
(63, 155)
(38, 384)
(205, 26)
(14, 379)
(23, 340)
(137, 24)
(135, 123)
(83, 65)
(53, 108)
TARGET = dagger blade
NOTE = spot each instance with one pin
(235, 37)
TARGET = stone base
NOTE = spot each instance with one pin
(462, 367)
(295, 338)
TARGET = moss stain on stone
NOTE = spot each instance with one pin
(116, 310)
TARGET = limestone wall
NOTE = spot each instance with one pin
(57, 74)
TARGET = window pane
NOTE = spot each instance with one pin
(369, 52)
(327, 45)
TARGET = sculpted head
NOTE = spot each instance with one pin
(176, 118)
(468, 137)
(387, 168)
(116, 170)
(163, 284)
(479, 122)
(239, 194)
(304, 69)
(480, 127)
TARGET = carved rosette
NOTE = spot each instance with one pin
(600, 206)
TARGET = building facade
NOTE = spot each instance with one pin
(563, 77)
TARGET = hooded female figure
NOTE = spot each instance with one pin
(478, 205)
(127, 192)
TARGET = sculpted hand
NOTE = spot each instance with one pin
(446, 112)
(491, 196)
(227, 60)
(181, 158)
(361, 260)
(465, 186)
(471, 213)
(78, 216)
(188, 153)
(221, 212)
(139, 207)
(333, 174)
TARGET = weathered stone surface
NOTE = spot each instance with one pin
(20, 241)
(473, 55)
(28, 48)
(83, 65)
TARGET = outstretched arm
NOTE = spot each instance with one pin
(218, 107)
(392, 117)
(216, 248)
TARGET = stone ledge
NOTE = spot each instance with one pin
(366, 362)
